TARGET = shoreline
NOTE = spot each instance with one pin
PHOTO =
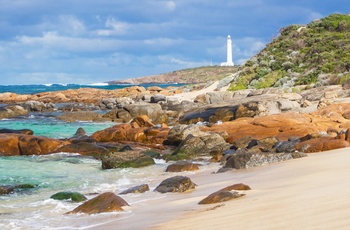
(305, 193)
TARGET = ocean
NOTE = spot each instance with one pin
(33, 208)
(33, 89)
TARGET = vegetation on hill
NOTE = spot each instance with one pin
(315, 54)
(193, 75)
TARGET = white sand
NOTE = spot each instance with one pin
(190, 96)
(306, 193)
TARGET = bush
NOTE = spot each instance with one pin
(307, 79)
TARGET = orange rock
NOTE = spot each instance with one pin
(182, 166)
(321, 144)
(141, 121)
(106, 202)
(225, 194)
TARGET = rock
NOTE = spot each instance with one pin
(85, 149)
(220, 196)
(141, 108)
(179, 133)
(125, 132)
(73, 196)
(141, 121)
(162, 118)
(37, 145)
(128, 159)
(12, 111)
(286, 146)
(321, 144)
(38, 106)
(9, 145)
(125, 148)
(225, 194)
(20, 131)
(81, 116)
(182, 166)
(222, 115)
(6, 189)
(175, 184)
(268, 142)
(79, 133)
(155, 89)
(20, 144)
(105, 202)
(157, 98)
(201, 145)
(137, 189)
(243, 142)
(248, 158)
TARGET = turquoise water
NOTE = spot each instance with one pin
(48, 126)
(33, 208)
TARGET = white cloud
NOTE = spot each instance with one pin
(118, 27)
(170, 5)
(71, 24)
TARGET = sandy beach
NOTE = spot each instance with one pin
(306, 193)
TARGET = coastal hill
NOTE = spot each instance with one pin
(192, 76)
(315, 54)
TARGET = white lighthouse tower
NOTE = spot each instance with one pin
(229, 61)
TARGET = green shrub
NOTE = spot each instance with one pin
(307, 79)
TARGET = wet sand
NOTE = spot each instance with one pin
(306, 193)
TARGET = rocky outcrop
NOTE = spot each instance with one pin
(106, 202)
(139, 130)
(20, 131)
(73, 196)
(81, 116)
(285, 125)
(249, 158)
(175, 184)
(225, 194)
(127, 159)
(197, 146)
(20, 144)
(137, 189)
(12, 111)
(152, 110)
(321, 144)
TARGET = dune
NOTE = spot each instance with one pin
(305, 193)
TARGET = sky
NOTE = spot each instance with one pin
(92, 41)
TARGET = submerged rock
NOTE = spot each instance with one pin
(175, 184)
(8, 189)
(106, 202)
(74, 196)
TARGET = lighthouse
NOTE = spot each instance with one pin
(229, 61)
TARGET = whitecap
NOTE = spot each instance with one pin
(98, 84)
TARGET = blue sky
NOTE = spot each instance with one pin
(89, 41)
